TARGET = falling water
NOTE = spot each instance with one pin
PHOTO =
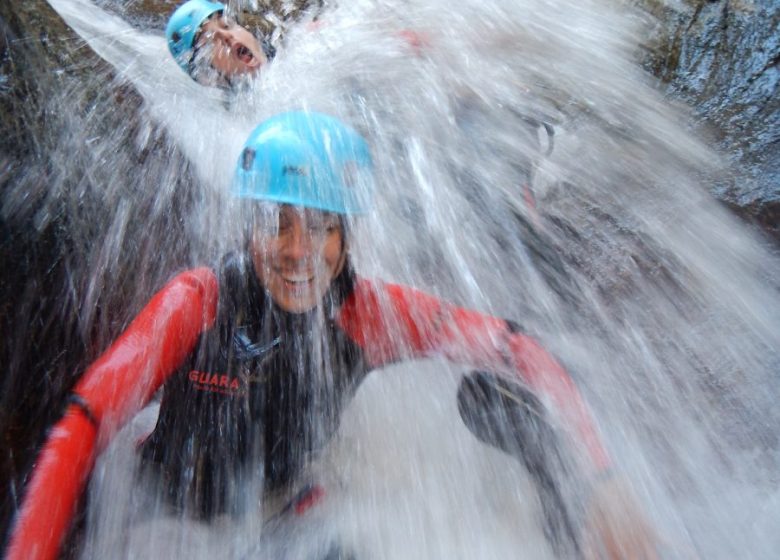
(599, 238)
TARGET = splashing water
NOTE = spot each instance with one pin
(607, 248)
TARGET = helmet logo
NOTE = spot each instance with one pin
(294, 170)
(247, 159)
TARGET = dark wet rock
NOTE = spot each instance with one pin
(65, 216)
(723, 58)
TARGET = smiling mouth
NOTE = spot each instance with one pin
(296, 280)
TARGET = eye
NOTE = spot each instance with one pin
(315, 230)
(284, 224)
(322, 225)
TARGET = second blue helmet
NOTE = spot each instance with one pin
(183, 26)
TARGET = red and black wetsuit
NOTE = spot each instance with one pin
(264, 389)
(261, 390)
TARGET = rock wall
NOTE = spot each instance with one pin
(723, 58)
(64, 219)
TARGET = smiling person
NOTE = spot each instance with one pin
(212, 48)
(260, 357)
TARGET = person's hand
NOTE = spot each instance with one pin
(615, 527)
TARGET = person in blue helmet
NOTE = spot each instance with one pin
(298, 330)
(260, 356)
(211, 47)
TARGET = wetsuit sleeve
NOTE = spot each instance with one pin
(110, 393)
(392, 323)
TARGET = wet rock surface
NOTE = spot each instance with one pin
(723, 58)
(64, 292)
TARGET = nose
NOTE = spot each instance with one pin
(225, 36)
(298, 245)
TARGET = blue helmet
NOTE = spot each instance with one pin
(306, 159)
(184, 25)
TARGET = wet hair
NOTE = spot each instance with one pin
(268, 49)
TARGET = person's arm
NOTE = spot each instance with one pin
(109, 394)
(393, 322)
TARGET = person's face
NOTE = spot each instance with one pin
(296, 254)
(232, 49)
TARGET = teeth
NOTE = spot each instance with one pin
(295, 278)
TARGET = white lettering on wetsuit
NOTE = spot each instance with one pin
(216, 383)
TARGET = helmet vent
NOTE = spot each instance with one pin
(176, 37)
(247, 159)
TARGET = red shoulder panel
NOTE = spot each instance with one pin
(381, 319)
(392, 322)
